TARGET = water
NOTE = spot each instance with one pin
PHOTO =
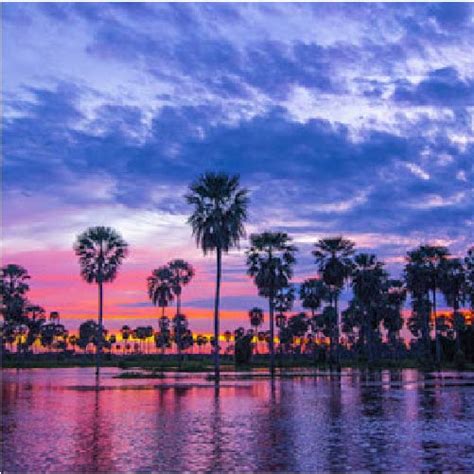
(56, 421)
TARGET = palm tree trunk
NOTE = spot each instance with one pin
(178, 328)
(437, 338)
(216, 314)
(456, 325)
(369, 337)
(338, 350)
(272, 345)
(99, 338)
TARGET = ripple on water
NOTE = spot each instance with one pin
(61, 421)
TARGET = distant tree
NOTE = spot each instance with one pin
(160, 287)
(125, 333)
(452, 284)
(368, 284)
(395, 295)
(182, 273)
(469, 269)
(256, 320)
(298, 325)
(424, 274)
(217, 221)
(243, 346)
(13, 290)
(270, 262)
(180, 326)
(34, 320)
(73, 341)
(333, 257)
(313, 292)
(88, 334)
(101, 251)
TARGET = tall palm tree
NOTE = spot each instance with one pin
(395, 296)
(182, 273)
(101, 251)
(469, 267)
(160, 287)
(368, 283)
(13, 289)
(453, 287)
(270, 261)
(219, 212)
(428, 262)
(333, 257)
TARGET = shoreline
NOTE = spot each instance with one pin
(204, 363)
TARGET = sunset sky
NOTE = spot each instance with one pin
(353, 119)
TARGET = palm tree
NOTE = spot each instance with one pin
(395, 296)
(270, 261)
(217, 221)
(313, 292)
(453, 286)
(333, 257)
(13, 289)
(256, 320)
(73, 341)
(427, 261)
(368, 283)
(125, 332)
(182, 273)
(160, 287)
(469, 267)
(101, 251)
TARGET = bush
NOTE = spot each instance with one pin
(460, 360)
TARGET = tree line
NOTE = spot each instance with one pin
(369, 326)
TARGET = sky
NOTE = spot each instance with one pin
(352, 119)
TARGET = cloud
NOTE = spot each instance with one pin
(442, 87)
(340, 118)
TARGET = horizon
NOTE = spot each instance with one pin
(108, 118)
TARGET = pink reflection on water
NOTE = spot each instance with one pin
(61, 421)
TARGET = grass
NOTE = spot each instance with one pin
(198, 363)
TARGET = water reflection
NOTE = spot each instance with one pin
(60, 421)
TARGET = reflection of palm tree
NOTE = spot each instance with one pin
(334, 263)
(101, 251)
(220, 209)
(270, 261)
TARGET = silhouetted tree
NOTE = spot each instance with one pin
(368, 284)
(256, 320)
(219, 212)
(270, 261)
(333, 257)
(427, 262)
(101, 251)
(394, 299)
(452, 283)
(160, 287)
